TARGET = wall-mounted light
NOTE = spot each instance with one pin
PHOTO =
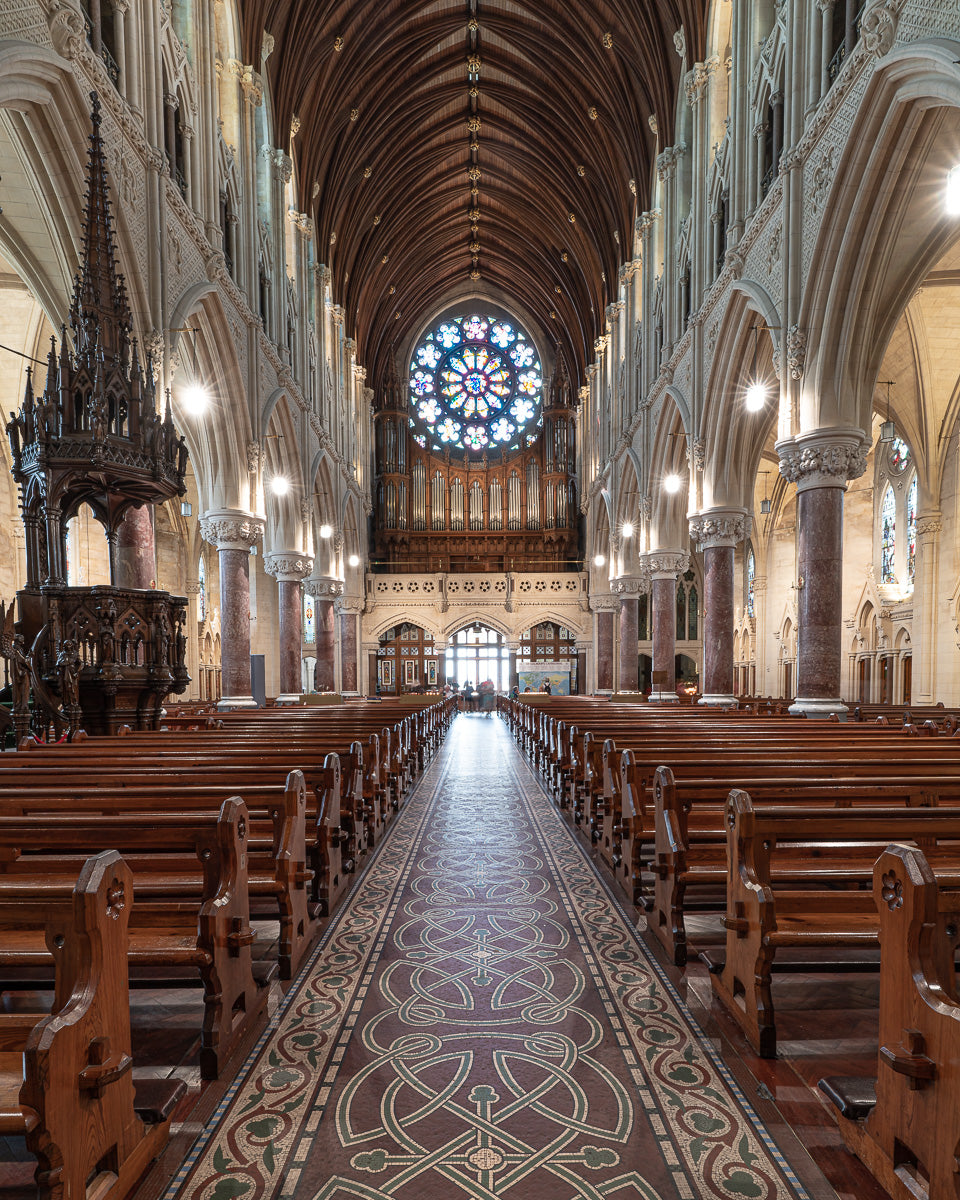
(672, 483)
(186, 508)
(757, 392)
(598, 560)
(354, 560)
(952, 192)
(280, 485)
(765, 502)
(627, 529)
(194, 397)
(326, 531)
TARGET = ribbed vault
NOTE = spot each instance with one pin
(454, 146)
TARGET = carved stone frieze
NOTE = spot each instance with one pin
(604, 602)
(231, 529)
(67, 31)
(929, 525)
(824, 458)
(323, 587)
(666, 563)
(878, 27)
(637, 584)
(288, 565)
(719, 527)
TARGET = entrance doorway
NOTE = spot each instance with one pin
(478, 653)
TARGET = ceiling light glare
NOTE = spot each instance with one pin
(756, 396)
(354, 560)
(598, 560)
(627, 529)
(326, 531)
(279, 485)
(952, 195)
(672, 484)
(194, 399)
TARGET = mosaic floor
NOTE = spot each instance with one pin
(482, 1021)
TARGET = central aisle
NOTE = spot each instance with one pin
(482, 1021)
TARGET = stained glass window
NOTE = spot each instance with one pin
(309, 619)
(751, 581)
(912, 530)
(899, 454)
(475, 385)
(202, 594)
(888, 537)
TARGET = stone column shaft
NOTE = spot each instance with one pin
(348, 652)
(665, 567)
(326, 647)
(233, 532)
(820, 463)
(136, 552)
(717, 531)
(289, 568)
(605, 651)
(629, 661)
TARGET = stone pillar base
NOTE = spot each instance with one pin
(664, 698)
(716, 699)
(237, 702)
(817, 706)
(289, 698)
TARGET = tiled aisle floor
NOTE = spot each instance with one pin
(467, 817)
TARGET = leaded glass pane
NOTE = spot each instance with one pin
(751, 581)
(912, 530)
(309, 620)
(888, 537)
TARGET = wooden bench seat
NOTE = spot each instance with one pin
(192, 914)
(66, 1080)
(764, 917)
(905, 1124)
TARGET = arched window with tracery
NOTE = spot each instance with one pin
(912, 531)
(309, 620)
(688, 608)
(888, 537)
(202, 593)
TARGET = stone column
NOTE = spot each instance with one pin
(348, 651)
(325, 590)
(135, 556)
(289, 567)
(629, 657)
(820, 463)
(718, 531)
(233, 532)
(604, 621)
(666, 567)
(924, 679)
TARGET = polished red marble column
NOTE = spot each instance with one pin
(289, 567)
(604, 650)
(348, 652)
(718, 531)
(233, 533)
(629, 655)
(820, 463)
(665, 567)
(326, 646)
(135, 564)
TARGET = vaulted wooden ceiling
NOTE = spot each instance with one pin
(492, 146)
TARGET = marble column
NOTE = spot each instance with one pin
(136, 554)
(820, 463)
(348, 652)
(924, 679)
(233, 532)
(325, 591)
(718, 531)
(629, 656)
(666, 567)
(289, 568)
(604, 619)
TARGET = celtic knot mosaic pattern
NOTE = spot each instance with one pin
(483, 1022)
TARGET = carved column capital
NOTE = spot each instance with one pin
(627, 586)
(666, 564)
(719, 527)
(323, 587)
(231, 529)
(604, 603)
(823, 458)
(288, 566)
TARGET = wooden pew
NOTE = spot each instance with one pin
(768, 852)
(192, 918)
(905, 1124)
(690, 841)
(66, 1083)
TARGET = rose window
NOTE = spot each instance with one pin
(475, 385)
